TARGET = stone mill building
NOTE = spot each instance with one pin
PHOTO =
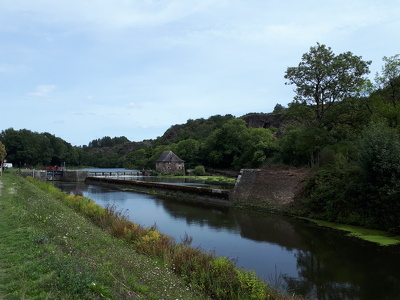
(170, 163)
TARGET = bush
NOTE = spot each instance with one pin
(333, 191)
(199, 171)
(379, 160)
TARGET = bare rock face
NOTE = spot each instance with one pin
(260, 120)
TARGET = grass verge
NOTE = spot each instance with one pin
(50, 252)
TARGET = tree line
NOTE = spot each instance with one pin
(342, 124)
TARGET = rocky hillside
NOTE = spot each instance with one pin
(262, 120)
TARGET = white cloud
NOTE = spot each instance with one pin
(43, 91)
(133, 105)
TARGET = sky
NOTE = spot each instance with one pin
(85, 69)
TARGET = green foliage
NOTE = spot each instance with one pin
(199, 171)
(359, 184)
(190, 151)
(198, 129)
(25, 147)
(278, 109)
(108, 141)
(388, 82)
(386, 97)
(302, 145)
(333, 191)
(252, 284)
(236, 146)
(138, 159)
(258, 146)
(323, 78)
(380, 162)
(104, 160)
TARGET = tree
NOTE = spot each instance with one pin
(389, 79)
(224, 145)
(379, 158)
(31, 148)
(258, 145)
(3, 154)
(322, 79)
(235, 145)
(278, 109)
(138, 159)
(302, 145)
(189, 151)
(108, 142)
(386, 97)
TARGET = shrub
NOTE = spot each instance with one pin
(199, 171)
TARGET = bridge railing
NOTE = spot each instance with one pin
(119, 174)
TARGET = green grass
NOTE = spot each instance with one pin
(50, 252)
(376, 236)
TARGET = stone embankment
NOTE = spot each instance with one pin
(188, 193)
(272, 188)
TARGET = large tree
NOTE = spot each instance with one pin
(323, 79)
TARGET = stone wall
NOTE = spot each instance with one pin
(38, 175)
(74, 175)
(273, 188)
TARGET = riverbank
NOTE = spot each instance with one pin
(64, 252)
(50, 252)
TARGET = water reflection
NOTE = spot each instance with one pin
(296, 255)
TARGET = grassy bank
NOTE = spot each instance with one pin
(51, 252)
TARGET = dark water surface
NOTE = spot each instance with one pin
(292, 254)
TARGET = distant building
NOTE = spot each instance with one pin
(169, 163)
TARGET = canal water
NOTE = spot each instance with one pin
(293, 255)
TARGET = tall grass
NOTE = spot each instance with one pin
(217, 277)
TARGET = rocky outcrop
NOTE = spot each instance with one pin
(261, 120)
